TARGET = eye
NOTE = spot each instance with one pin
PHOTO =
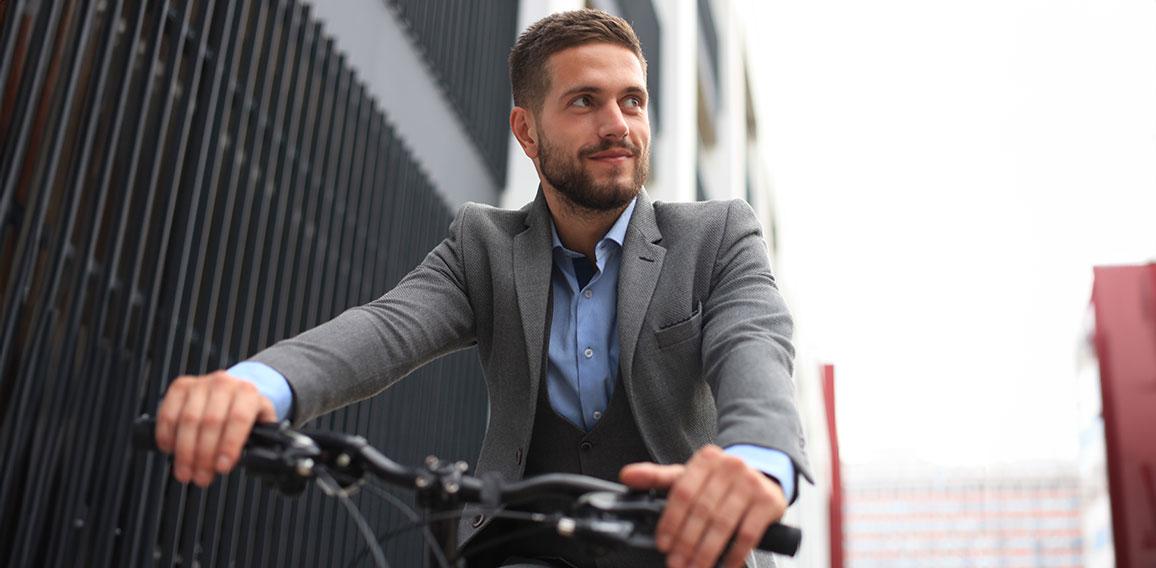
(582, 101)
(633, 101)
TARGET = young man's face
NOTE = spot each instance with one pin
(593, 132)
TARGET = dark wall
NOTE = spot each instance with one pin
(184, 183)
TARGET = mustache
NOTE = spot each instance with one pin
(607, 144)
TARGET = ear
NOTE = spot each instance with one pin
(525, 130)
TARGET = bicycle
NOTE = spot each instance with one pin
(599, 514)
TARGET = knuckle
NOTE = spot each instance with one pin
(769, 491)
(183, 459)
(168, 415)
(219, 379)
(230, 448)
(709, 551)
(721, 519)
(733, 464)
(190, 416)
(212, 420)
(711, 451)
(748, 535)
(703, 556)
(244, 387)
(683, 547)
(239, 415)
(682, 492)
(761, 502)
(735, 559)
(180, 383)
(771, 499)
(204, 453)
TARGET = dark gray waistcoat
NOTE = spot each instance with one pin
(557, 445)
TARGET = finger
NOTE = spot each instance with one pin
(248, 408)
(222, 392)
(724, 519)
(686, 540)
(169, 413)
(749, 532)
(646, 475)
(722, 502)
(188, 431)
(681, 497)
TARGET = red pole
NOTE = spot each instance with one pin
(835, 511)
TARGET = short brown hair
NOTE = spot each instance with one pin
(556, 32)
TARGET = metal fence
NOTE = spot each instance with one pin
(182, 184)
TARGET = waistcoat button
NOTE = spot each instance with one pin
(585, 446)
(478, 520)
(518, 457)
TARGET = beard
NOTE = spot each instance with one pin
(577, 185)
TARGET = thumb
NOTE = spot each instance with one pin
(646, 475)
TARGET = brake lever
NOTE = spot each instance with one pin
(281, 457)
(632, 503)
(614, 518)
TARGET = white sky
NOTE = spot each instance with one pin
(947, 173)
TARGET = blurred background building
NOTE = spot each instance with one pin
(913, 516)
(1095, 506)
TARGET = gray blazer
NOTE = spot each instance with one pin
(705, 352)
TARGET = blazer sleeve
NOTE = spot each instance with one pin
(746, 347)
(367, 348)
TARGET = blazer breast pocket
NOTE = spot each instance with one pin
(680, 331)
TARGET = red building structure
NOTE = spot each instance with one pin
(1124, 300)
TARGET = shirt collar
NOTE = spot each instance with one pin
(617, 232)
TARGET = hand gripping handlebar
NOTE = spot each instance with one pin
(603, 512)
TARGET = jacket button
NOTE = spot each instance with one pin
(518, 457)
(585, 446)
(477, 520)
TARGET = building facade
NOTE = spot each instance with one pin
(929, 517)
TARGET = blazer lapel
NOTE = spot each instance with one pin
(533, 264)
(641, 265)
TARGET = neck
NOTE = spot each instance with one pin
(580, 229)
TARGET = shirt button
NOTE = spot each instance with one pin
(589, 353)
(597, 414)
(588, 293)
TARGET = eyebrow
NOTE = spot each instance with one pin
(633, 89)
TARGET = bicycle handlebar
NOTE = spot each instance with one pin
(288, 458)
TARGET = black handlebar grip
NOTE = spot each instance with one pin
(144, 434)
(781, 539)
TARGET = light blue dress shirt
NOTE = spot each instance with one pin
(583, 354)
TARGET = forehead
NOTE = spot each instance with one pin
(602, 65)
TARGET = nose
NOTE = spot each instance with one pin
(612, 124)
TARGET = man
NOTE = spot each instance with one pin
(612, 330)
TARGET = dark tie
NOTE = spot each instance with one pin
(584, 270)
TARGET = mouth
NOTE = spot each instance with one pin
(613, 156)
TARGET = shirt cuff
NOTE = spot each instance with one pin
(774, 463)
(269, 383)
